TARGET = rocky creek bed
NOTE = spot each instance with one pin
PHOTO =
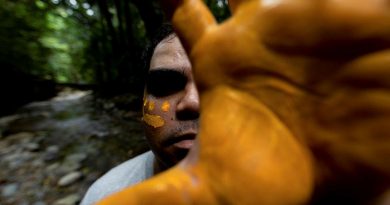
(51, 151)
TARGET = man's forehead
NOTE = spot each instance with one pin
(169, 54)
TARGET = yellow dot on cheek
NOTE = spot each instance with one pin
(165, 106)
(151, 106)
(154, 120)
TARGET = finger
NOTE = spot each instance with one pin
(175, 186)
(191, 19)
(234, 4)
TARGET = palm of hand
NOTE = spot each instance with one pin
(290, 92)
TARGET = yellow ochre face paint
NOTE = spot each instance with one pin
(153, 120)
(151, 106)
(165, 106)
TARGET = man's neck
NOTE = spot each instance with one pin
(158, 166)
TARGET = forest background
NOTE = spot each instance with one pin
(88, 44)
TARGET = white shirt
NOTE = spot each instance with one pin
(126, 174)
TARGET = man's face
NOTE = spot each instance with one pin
(171, 103)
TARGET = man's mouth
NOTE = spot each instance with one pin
(182, 142)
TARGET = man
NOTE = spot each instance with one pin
(170, 115)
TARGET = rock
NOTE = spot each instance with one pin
(15, 160)
(32, 147)
(53, 167)
(72, 162)
(9, 190)
(69, 178)
(23, 137)
(39, 203)
(52, 148)
(37, 163)
(69, 166)
(77, 157)
(68, 200)
(51, 153)
(100, 135)
(108, 105)
(4, 121)
(39, 154)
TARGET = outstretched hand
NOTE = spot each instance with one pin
(295, 101)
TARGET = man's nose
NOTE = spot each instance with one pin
(188, 106)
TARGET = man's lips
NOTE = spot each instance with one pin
(184, 144)
(184, 141)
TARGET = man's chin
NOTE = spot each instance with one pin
(177, 155)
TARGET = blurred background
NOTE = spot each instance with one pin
(70, 87)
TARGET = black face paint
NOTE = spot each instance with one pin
(165, 82)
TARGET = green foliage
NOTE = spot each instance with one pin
(67, 39)
(81, 41)
(219, 8)
(43, 40)
(19, 34)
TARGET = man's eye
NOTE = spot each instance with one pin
(165, 82)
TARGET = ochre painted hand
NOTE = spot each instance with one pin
(295, 105)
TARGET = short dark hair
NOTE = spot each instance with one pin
(164, 31)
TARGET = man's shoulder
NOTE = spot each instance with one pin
(125, 174)
(141, 165)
